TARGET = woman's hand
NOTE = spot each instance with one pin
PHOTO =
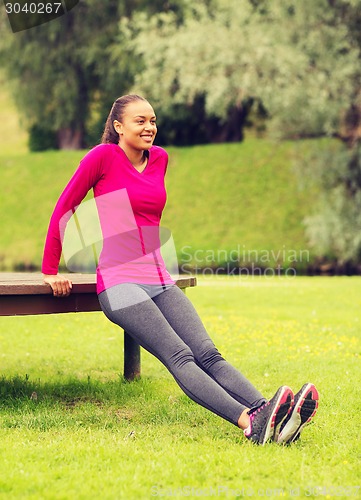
(60, 285)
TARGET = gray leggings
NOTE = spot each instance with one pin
(168, 326)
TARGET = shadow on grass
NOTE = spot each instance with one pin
(18, 391)
(117, 406)
(86, 403)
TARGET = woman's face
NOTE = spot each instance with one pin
(138, 128)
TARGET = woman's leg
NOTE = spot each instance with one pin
(183, 318)
(146, 323)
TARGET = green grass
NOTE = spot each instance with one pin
(89, 434)
(245, 197)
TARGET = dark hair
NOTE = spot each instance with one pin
(110, 135)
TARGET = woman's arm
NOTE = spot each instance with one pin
(85, 178)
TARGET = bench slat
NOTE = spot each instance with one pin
(33, 284)
(26, 294)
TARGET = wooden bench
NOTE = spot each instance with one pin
(27, 294)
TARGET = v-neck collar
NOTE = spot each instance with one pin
(147, 154)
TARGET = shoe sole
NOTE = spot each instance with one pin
(282, 405)
(302, 413)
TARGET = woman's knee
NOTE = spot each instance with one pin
(208, 355)
(180, 356)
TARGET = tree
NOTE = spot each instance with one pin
(298, 58)
(55, 71)
(63, 74)
(334, 229)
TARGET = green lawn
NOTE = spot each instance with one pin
(88, 434)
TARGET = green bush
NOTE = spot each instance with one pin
(41, 139)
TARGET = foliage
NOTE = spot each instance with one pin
(41, 139)
(63, 73)
(55, 71)
(13, 135)
(299, 58)
(87, 434)
(203, 64)
(189, 124)
(335, 227)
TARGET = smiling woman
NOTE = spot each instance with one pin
(135, 289)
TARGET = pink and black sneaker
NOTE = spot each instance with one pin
(266, 420)
(304, 408)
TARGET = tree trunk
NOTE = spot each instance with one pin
(70, 139)
(229, 131)
(351, 123)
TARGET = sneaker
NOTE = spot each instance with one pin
(304, 409)
(266, 420)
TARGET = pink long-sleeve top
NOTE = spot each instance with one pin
(129, 206)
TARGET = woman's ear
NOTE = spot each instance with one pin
(118, 127)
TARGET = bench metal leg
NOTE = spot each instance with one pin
(131, 358)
